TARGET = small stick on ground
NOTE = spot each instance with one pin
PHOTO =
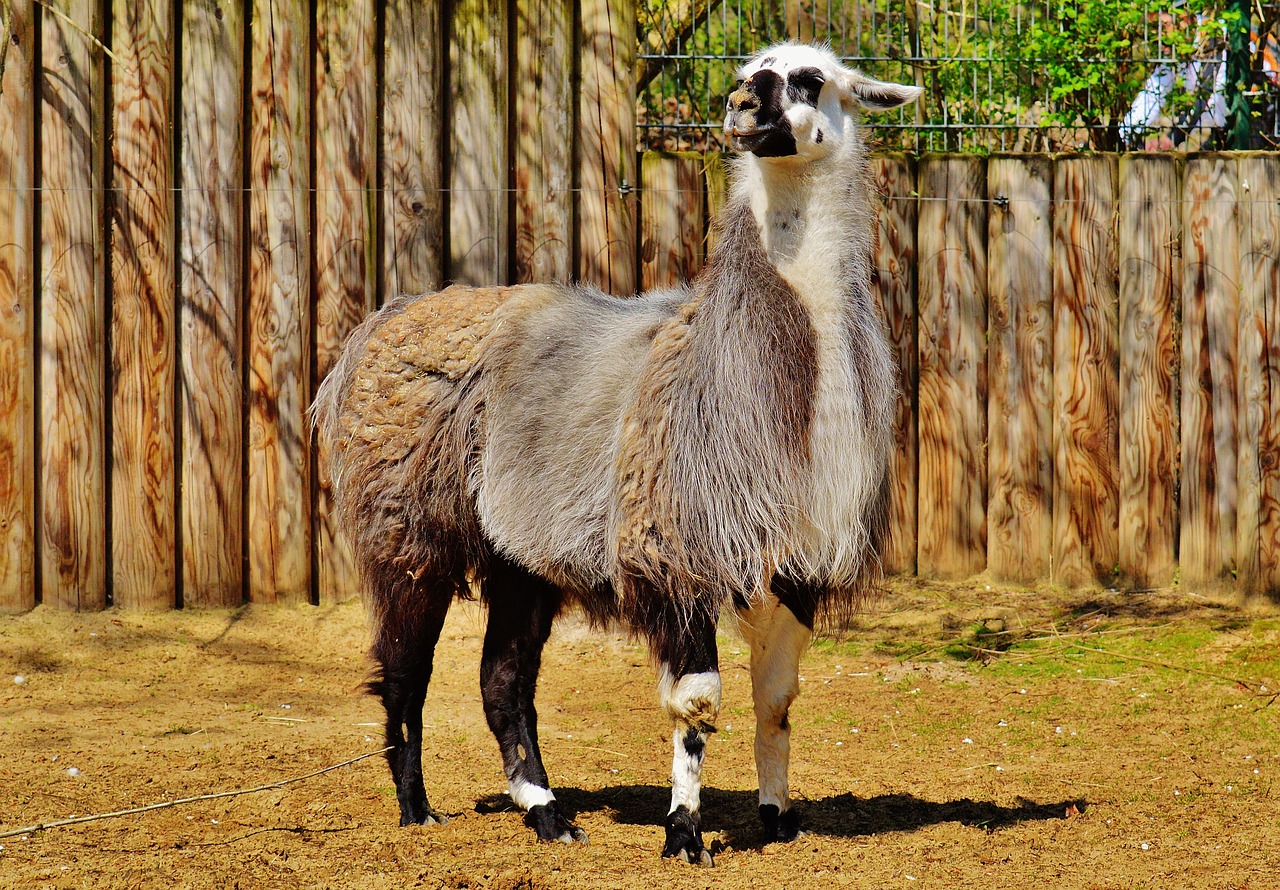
(41, 826)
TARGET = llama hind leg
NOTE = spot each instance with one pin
(409, 619)
(777, 638)
(522, 608)
(689, 688)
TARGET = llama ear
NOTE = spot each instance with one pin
(876, 95)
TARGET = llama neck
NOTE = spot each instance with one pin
(814, 227)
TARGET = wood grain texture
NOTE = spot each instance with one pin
(952, 531)
(143, 336)
(544, 106)
(412, 148)
(479, 247)
(279, 531)
(212, 280)
(606, 146)
(671, 218)
(1150, 293)
(1210, 294)
(893, 286)
(1086, 506)
(17, 312)
(346, 239)
(1258, 512)
(716, 172)
(1020, 367)
(73, 312)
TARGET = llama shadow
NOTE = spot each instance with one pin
(733, 813)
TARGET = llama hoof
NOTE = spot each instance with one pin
(430, 817)
(551, 826)
(684, 839)
(703, 859)
(779, 827)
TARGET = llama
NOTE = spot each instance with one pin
(648, 460)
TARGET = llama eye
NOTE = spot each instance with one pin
(805, 85)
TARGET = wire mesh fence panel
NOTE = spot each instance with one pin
(1056, 75)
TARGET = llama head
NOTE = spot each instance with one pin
(797, 100)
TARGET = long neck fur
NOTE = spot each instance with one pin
(813, 225)
(814, 222)
(738, 401)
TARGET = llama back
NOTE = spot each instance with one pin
(557, 376)
(398, 414)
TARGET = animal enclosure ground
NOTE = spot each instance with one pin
(957, 737)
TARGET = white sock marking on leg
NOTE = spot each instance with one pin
(694, 698)
(527, 795)
(686, 772)
(692, 702)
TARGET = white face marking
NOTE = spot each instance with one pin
(777, 640)
(526, 795)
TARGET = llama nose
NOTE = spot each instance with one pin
(742, 99)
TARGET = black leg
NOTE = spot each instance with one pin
(689, 686)
(409, 616)
(522, 608)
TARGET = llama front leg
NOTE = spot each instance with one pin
(777, 639)
(522, 608)
(689, 688)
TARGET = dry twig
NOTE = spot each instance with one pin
(60, 823)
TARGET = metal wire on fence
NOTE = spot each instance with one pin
(1046, 75)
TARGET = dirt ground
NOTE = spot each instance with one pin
(959, 736)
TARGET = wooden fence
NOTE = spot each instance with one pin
(199, 198)
(190, 225)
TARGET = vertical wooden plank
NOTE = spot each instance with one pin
(210, 300)
(606, 140)
(17, 308)
(953, 366)
(72, 324)
(346, 242)
(893, 277)
(1020, 367)
(1086, 373)
(143, 518)
(671, 218)
(279, 531)
(1258, 517)
(810, 20)
(412, 167)
(715, 170)
(1150, 290)
(544, 97)
(1210, 294)
(478, 200)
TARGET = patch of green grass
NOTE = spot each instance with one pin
(1158, 653)
(902, 650)
(851, 649)
(181, 729)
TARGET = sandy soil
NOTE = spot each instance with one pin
(1102, 741)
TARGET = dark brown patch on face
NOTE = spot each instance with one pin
(758, 124)
(805, 85)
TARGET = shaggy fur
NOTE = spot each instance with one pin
(650, 459)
